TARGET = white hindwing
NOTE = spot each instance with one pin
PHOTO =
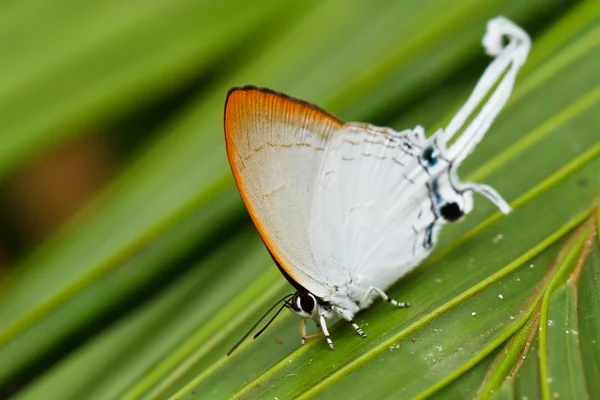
(371, 209)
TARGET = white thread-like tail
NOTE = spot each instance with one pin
(511, 57)
(500, 77)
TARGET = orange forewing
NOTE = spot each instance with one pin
(244, 105)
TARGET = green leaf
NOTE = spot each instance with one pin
(589, 325)
(527, 381)
(555, 352)
(566, 377)
(125, 261)
(501, 374)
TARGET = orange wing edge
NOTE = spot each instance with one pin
(286, 270)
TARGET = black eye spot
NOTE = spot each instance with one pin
(451, 211)
(430, 156)
(307, 303)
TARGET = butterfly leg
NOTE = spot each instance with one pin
(358, 330)
(326, 331)
(303, 333)
(384, 296)
(348, 317)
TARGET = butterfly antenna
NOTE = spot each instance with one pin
(285, 299)
(271, 320)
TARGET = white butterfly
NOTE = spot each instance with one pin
(346, 209)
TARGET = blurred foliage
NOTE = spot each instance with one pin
(141, 293)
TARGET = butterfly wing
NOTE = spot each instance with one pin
(371, 209)
(275, 145)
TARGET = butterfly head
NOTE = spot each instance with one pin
(303, 304)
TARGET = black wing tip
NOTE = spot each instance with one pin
(254, 88)
(247, 88)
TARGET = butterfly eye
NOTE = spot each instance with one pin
(303, 303)
(306, 303)
(430, 156)
(451, 211)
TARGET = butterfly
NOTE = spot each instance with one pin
(347, 209)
